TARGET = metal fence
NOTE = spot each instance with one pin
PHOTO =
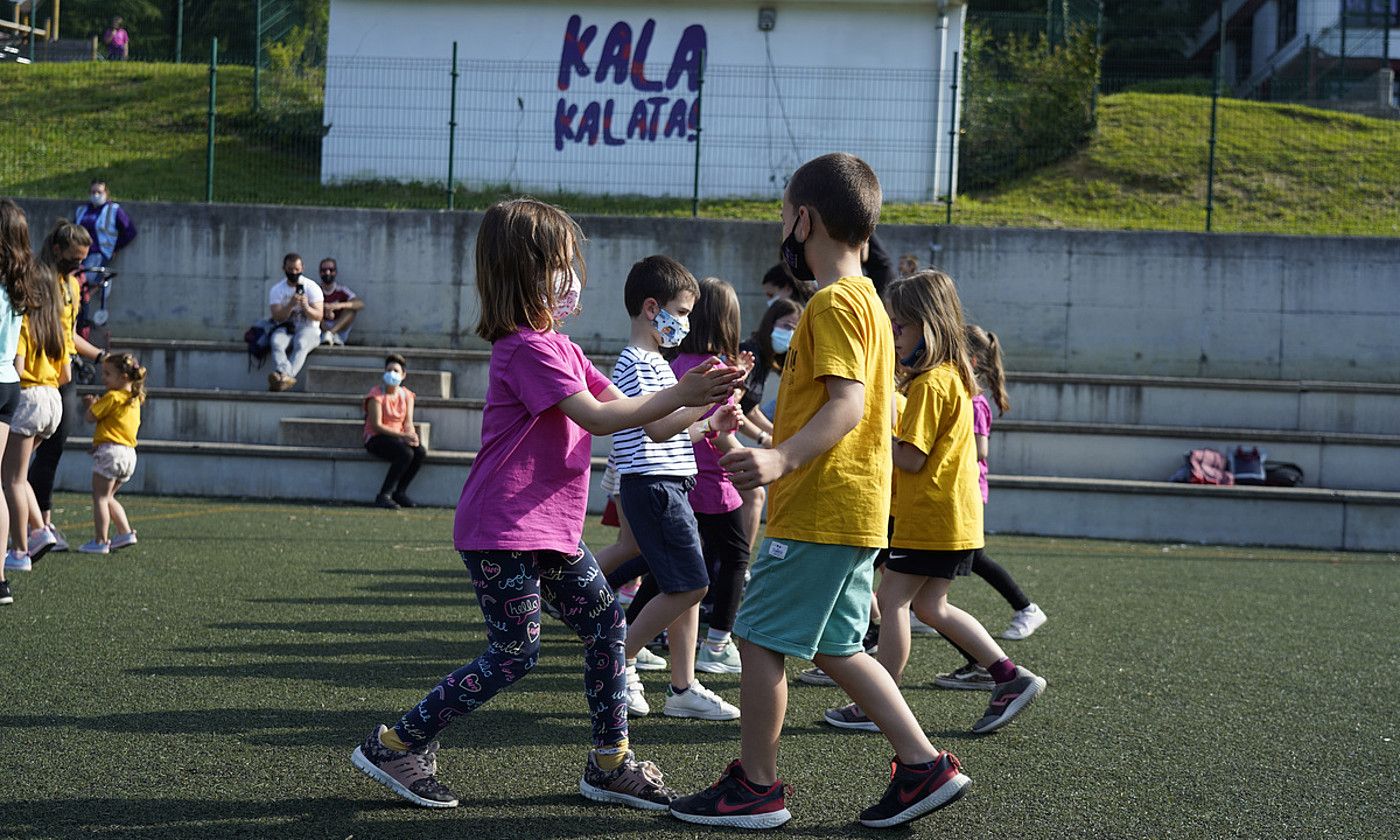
(1170, 146)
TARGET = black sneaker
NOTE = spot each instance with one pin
(871, 642)
(403, 500)
(970, 677)
(733, 801)
(636, 784)
(5, 596)
(412, 774)
(384, 500)
(914, 793)
(1008, 701)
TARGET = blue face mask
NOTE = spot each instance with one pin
(671, 328)
(782, 339)
(908, 361)
(393, 378)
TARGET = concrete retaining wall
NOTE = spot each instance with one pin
(1257, 306)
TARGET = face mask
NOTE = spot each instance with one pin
(66, 267)
(98, 199)
(795, 257)
(393, 378)
(769, 302)
(292, 276)
(908, 361)
(567, 302)
(673, 330)
(782, 339)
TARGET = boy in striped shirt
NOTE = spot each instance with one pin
(656, 467)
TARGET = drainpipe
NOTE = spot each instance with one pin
(940, 48)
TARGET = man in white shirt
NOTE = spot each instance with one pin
(296, 306)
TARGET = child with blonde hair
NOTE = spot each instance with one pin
(117, 414)
(937, 507)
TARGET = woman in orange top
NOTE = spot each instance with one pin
(390, 434)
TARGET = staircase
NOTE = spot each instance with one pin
(1079, 455)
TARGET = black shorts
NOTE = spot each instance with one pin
(937, 564)
(9, 401)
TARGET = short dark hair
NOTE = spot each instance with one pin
(395, 359)
(658, 277)
(330, 260)
(781, 276)
(290, 257)
(844, 191)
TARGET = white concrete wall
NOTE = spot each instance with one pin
(1186, 304)
(1265, 36)
(868, 77)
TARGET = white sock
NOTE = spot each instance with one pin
(715, 640)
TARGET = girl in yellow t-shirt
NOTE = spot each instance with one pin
(938, 503)
(117, 414)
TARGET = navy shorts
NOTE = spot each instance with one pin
(937, 564)
(658, 509)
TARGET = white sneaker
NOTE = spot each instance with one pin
(1024, 622)
(40, 543)
(62, 542)
(918, 628)
(698, 702)
(637, 705)
(17, 562)
(337, 340)
(327, 337)
(123, 540)
(95, 547)
(648, 661)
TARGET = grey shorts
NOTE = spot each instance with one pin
(39, 413)
(658, 509)
(114, 460)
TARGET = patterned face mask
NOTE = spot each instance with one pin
(567, 302)
(672, 329)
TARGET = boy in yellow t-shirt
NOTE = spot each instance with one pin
(810, 591)
(117, 414)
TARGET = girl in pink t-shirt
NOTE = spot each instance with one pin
(520, 518)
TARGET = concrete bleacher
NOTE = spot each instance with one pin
(1079, 455)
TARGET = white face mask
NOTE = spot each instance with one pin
(393, 378)
(566, 303)
(98, 199)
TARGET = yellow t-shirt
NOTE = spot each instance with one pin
(38, 368)
(939, 508)
(68, 314)
(118, 416)
(841, 497)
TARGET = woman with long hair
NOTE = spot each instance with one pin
(16, 278)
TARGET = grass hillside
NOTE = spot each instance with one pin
(1281, 168)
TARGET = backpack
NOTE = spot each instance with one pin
(1282, 474)
(1248, 465)
(259, 340)
(1207, 466)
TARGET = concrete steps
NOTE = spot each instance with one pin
(318, 379)
(333, 433)
(1137, 510)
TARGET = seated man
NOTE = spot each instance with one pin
(341, 306)
(295, 306)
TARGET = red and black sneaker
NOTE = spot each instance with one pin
(913, 793)
(735, 801)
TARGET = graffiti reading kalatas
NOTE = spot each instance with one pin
(621, 62)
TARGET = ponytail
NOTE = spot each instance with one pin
(986, 359)
(131, 370)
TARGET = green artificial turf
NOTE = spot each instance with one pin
(1280, 168)
(211, 682)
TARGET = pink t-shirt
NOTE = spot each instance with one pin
(528, 489)
(713, 492)
(393, 409)
(982, 425)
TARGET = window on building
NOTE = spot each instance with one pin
(1372, 13)
(1287, 22)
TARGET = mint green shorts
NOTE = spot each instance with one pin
(807, 598)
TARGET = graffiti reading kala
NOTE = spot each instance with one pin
(666, 109)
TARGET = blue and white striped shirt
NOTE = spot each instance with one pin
(639, 372)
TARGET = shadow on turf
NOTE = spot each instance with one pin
(330, 816)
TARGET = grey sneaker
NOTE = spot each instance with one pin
(636, 784)
(815, 676)
(1009, 699)
(850, 717)
(970, 677)
(412, 774)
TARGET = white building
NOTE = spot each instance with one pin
(1304, 49)
(604, 96)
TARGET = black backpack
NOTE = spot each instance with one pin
(1282, 474)
(259, 341)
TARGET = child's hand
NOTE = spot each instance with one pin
(746, 362)
(88, 400)
(708, 382)
(726, 419)
(750, 468)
